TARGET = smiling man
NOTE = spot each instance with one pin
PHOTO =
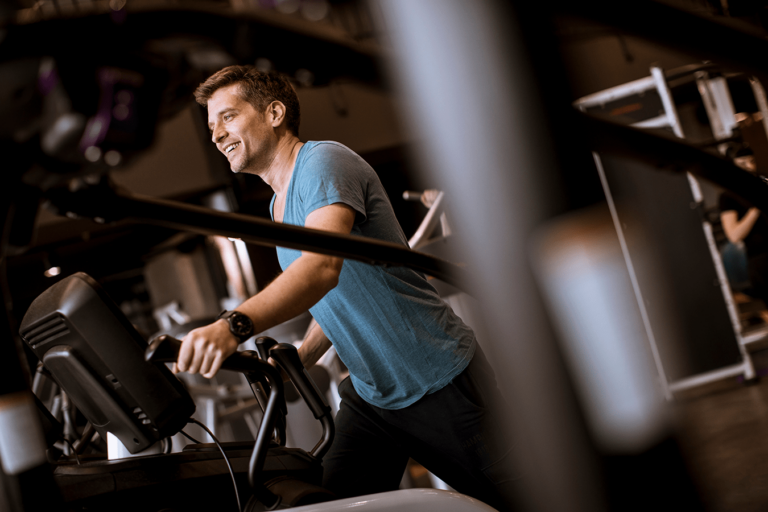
(419, 385)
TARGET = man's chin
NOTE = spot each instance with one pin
(239, 165)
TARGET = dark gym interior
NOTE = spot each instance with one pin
(595, 161)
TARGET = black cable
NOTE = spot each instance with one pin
(226, 459)
(189, 436)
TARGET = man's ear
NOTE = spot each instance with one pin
(276, 113)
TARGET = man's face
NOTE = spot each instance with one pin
(242, 134)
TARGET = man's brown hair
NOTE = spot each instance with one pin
(257, 88)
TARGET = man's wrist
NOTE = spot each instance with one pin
(240, 325)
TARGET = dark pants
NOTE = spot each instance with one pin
(452, 432)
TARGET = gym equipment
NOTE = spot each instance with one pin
(708, 331)
(84, 340)
(223, 401)
(96, 356)
(443, 246)
(424, 232)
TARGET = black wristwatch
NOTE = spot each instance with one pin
(239, 324)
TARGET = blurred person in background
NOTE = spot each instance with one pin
(746, 255)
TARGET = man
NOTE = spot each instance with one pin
(419, 385)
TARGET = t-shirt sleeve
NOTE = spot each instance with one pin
(728, 202)
(333, 174)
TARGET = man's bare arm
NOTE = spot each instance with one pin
(297, 289)
(315, 344)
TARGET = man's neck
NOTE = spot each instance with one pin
(278, 174)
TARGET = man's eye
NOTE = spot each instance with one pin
(228, 117)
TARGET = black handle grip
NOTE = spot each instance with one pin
(165, 349)
(287, 357)
(263, 345)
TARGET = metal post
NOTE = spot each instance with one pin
(27, 481)
(470, 95)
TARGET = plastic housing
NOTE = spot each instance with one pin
(97, 357)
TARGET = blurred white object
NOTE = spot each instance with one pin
(408, 500)
(581, 267)
(116, 449)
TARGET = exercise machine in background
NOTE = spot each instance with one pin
(695, 335)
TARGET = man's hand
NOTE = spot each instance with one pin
(294, 291)
(204, 349)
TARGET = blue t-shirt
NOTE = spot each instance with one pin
(398, 338)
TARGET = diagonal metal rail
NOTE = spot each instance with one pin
(671, 155)
(104, 204)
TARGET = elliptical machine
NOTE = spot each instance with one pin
(123, 388)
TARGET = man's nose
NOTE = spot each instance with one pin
(217, 135)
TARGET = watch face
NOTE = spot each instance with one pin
(240, 324)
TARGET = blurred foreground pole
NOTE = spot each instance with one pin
(470, 98)
(26, 479)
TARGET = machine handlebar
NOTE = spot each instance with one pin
(165, 349)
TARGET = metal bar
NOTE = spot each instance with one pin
(710, 105)
(654, 122)
(81, 444)
(502, 140)
(246, 268)
(762, 102)
(754, 337)
(721, 95)
(24, 473)
(706, 378)
(259, 454)
(329, 431)
(428, 224)
(725, 288)
(620, 91)
(236, 411)
(633, 278)
(672, 155)
(666, 99)
(103, 203)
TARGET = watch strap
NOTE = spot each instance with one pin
(241, 336)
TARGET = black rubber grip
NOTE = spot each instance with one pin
(263, 345)
(165, 349)
(287, 357)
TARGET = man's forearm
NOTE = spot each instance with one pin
(315, 344)
(297, 289)
(294, 291)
